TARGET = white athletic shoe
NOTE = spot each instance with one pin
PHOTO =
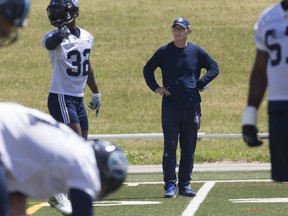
(61, 203)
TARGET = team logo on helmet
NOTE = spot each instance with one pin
(112, 165)
(117, 165)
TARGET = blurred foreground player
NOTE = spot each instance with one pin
(42, 157)
(13, 14)
(270, 72)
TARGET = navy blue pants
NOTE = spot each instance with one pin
(278, 138)
(3, 193)
(182, 125)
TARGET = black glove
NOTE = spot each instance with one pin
(250, 137)
(249, 127)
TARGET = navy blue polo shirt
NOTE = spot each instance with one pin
(181, 70)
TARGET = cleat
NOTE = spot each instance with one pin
(187, 192)
(170, 190)
(61, 203)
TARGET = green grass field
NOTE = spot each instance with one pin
(238, 193)
(126, 34)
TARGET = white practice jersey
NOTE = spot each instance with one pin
(43, 157)
(271, 36)
(70, 63)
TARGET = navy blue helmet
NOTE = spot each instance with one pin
(61, 12)
(112, 165)
(13, 14)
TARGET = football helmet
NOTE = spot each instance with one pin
(13, 14)
(61, 12)
(112, 164)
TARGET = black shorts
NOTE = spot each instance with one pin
(68, 109)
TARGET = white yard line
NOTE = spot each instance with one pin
(193, 205)
(260, 200)
(198, 199)
(201, 193)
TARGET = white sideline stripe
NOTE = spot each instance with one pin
(200, 197)
(260, 200)
(134, 184)
(160, 136)
(121, 203)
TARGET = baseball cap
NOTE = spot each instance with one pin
(182, 22)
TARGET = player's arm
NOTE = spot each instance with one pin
(55, 39)
(17, 204)
(95, 102)
(257, 88)
(81, 203)
(149, 71)
(258, 80)
(211, 67)
(91, 81)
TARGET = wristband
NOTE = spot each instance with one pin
(249, 116)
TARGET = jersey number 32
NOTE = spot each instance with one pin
(81, 66)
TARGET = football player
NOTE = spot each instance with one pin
(42, 157)
(270, 72)
(69, 48)
(13, 15)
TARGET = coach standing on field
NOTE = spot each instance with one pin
(181, 63)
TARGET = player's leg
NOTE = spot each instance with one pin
(64, 109)
(3, 193)
(57, 107)
(17, 204)
(188, 139)
(76, 127)
(81, 202)
(83, 118)
(278, 124)
(170, 127)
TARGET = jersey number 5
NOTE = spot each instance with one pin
(275, 47)
(78, 62)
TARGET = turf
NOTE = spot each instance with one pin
(142, 194)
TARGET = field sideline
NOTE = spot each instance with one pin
(205, 167)
(190, 210)
(247, 191)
